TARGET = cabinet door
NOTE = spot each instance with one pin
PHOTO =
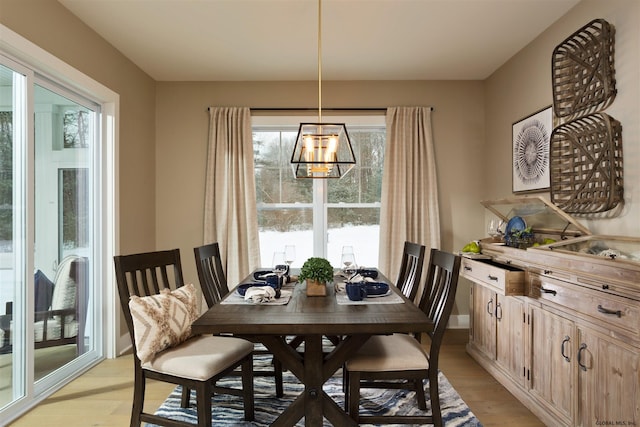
(484, 322)
(510, 336)
(553, 349)
(608, 381)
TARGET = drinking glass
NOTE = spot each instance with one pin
(279, 266)
(349, 261)
(347, 250)
(492, 228)
(289, 254)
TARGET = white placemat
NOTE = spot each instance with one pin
(236, 298)
(393, 298)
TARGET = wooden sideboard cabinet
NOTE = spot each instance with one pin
(568, 344)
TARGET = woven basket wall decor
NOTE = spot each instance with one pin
(582, 71)
(586, 164)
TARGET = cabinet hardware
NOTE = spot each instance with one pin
(499, 311)
(548, 291)
(492, 277)
(583, 346)
(508, 262)
(467, 268)
(489, 305)
(605, 286)
(564, 341)
(604, 310)
(547, 271)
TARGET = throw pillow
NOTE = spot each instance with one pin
(163, 320)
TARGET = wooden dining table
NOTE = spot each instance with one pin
(310, 318)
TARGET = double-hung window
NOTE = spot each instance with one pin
(318, 216)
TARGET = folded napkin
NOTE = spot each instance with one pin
(260, 294)
(359, 278)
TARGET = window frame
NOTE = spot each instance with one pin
(269, 121)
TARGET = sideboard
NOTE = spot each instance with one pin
(558, 324)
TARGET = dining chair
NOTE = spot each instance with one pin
(411, 269)
(384, 360)
(159, 309)
(213, 283)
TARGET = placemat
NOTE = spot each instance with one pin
(392, 298)
(235, 298)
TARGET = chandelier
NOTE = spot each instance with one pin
(322, 150)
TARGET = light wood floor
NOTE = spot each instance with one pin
(102, 396)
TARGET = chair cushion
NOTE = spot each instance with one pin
(200, 358)
(54, 330)
(397, 352)
(163, 320)
(64, 289)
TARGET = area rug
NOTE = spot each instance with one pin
(228, 410)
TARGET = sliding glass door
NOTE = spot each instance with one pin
(50, 311)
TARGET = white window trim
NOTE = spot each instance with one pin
(26, 53)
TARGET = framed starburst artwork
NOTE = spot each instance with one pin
(530, 166)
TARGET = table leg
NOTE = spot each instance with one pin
(316, 368)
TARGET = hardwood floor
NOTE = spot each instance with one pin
(102, 396)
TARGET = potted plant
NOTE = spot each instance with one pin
(317, 272)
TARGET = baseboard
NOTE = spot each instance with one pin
(458, 321)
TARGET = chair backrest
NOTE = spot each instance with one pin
(439, 295)
(146, 274)
(213, 281)
(411, 269)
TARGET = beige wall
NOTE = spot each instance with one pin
(182, 124)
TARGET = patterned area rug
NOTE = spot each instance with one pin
(227, 409)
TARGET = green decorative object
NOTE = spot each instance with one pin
(317, 272)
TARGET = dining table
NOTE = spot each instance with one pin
(309, 319)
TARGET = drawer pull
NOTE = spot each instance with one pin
(603, 310)
(498, 311)
(492, 277)
(467, 268)
(564, 341)
(583, 346)
(548, 291)
(489, 309)
(547, 271)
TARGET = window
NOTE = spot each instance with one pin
(318, 216)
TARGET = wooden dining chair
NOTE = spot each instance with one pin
(159, 309)
(213, 283)
(411, 269)
(386, 359)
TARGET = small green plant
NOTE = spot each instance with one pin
(316, 269)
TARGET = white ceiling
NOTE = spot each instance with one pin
(245, 40)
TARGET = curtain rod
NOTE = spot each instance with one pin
(315, 109)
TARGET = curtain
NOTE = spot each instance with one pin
(230, 214)
(409, 205)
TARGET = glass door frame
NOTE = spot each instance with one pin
(22, 55)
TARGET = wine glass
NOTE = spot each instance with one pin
(492, 228)
(347, 250)
(279, 266)
(349, 261)
(289, 254)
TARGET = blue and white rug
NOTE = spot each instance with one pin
(228, 409)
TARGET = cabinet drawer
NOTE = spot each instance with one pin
(504, 279)
(609, 311)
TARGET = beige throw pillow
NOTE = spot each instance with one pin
(162, 321)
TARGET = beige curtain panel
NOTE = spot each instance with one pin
(230, 214)
(409, 187)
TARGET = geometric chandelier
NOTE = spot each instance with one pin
(322, 150)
